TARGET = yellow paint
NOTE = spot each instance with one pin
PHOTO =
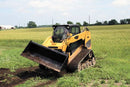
(74, 54)
(85, 36)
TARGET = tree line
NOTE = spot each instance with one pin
(32, 24)
(111, 22)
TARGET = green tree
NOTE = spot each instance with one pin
(105, 22)
(85, 23)
(31, 24)
(112, 22)
(128, 21)
(16, 26)
(123, 21)
(69, 22)
(57, 24)
(78, 23)
(98, 23)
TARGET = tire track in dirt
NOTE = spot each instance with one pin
(11, 79)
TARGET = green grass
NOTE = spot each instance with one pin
(111, 46)
(11, 59)
(32, 82)
(20, 38)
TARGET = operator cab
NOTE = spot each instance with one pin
(61, 32)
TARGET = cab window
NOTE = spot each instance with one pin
(59, 30)
(75, 30)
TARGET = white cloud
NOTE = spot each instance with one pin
(62, 7)
(65, 14)
(6, 3)
(75, 10)
(39, 4)
(59, 5)
(121, 2)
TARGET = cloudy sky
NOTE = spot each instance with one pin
(19, 12)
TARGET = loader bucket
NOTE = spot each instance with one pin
(50, 58)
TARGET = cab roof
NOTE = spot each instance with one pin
(67, 26)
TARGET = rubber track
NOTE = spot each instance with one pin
(73, 65)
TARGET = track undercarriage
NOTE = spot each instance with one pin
(84, 59)
(87, 62)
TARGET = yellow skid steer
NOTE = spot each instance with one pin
(68, 48)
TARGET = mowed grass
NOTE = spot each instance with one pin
(111, 46)
(13, 42)
(19, 38)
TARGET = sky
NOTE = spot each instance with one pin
(42, 12)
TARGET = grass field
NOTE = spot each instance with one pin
(111, 46)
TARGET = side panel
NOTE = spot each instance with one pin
(88, 40)
(85, 36)
(88, 44)
(76, 37)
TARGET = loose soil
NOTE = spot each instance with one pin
(11, 79)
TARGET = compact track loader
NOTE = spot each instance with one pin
(68, 48)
